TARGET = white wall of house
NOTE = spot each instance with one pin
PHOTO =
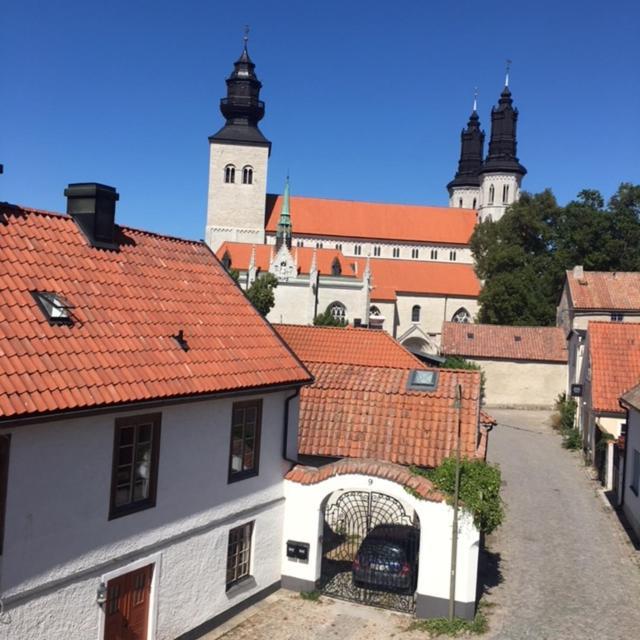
(631, 504)
(304, 520)
(511, 383)
(59, 541)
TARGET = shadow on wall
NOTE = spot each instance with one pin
(489, 573)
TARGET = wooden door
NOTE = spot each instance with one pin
(127, 606)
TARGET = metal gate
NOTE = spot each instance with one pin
(370, 550)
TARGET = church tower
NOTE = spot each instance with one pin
(464, 189)
(238, 161)
(501, 173)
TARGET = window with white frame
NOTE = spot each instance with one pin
(239, 554)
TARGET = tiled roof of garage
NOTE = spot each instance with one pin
(541, 344)
(360, 408)
(384, 470)
(614, 355)
(127, 306)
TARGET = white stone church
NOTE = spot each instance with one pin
(402, 268)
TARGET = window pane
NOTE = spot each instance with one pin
(126, 436)
(125, 455)
(144, 433)
(122, 495)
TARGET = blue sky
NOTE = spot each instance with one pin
(365, 99)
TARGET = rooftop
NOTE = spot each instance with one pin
(602, 290)
(127, 306)
(614, 352)
(360, 408)
(372, 220)
(541, 344)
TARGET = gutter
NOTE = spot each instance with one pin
(285, 437)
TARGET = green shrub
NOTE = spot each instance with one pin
(455, 627)
(312, 596)
(456, 362)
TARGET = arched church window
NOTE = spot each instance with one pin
(247, 175)
(374, 311)
(474, 203)
(505, 193)
(338, 311)
(336, 267)
(461, 315)
(492, 194)
(229, 173)
(460, 203)
(415, 313)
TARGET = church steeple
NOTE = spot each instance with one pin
(242, 107)
(471, 153)
(284, 229)
(502, 145)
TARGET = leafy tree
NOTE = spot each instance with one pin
(261, 293)
(326, 319)
(457, 362)
(522, 258)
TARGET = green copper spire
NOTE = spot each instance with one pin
(283, 234)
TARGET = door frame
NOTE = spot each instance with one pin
(155, 560)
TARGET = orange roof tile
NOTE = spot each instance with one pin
(347, 345)
(614, 355)
(605, 291)
(389, 276)
(127, 306)
(385, 470)
(372, 220)
(542, 344)
(359, 405)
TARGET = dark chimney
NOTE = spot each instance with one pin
(93, 208)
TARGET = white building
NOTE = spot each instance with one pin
(142, 431)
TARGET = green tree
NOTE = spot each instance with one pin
(457, 362)
(261, 293)
(326, 319)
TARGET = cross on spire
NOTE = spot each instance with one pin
(246, 34)
(506, 79)
(475, 99)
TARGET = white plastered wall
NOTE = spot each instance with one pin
(304, 520)
(497, 207)
(470, 197)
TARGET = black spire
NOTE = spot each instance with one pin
(471, 152)
(502, 146)
(242, 107)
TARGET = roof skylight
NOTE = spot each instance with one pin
(423, 380)
(56, 308)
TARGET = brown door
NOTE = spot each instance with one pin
(127, 606)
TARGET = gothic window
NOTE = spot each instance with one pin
(299, 243)
(229, 173)
(336, 267)
(415, 313)
(461, 315)
(505, 193)
(434, 254)
(452, 255)
(338, 311)
(247, 175)
(492, 194)
(357, 249)
(415, 253)
(376, 251)
(474, 204)
(318, 245)
(374, 311)
(460, 203)
(338, 246)
(396, 252)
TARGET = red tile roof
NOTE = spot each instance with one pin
(350, 219)
(385, 470)
(614, 355)
(600, 290)
(389, 276)
(342, 345)
(127, 306)
(357, 408)
(541, 344)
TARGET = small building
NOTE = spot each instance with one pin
(611, 368)
(630, 494)
(373, 413)
(142, 430)
(524, 366)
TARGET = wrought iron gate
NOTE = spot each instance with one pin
(370, 550)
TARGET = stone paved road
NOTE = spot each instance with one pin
(569, 572)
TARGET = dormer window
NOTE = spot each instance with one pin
(336, 267)
(247, 175)
(229, 174)
(56, 309)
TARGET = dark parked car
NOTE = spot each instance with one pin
(387, 559)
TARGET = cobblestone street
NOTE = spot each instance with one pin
(568, 569)
(560, 568)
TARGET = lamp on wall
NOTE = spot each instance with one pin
(101, 594)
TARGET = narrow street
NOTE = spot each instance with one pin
(566, 569)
